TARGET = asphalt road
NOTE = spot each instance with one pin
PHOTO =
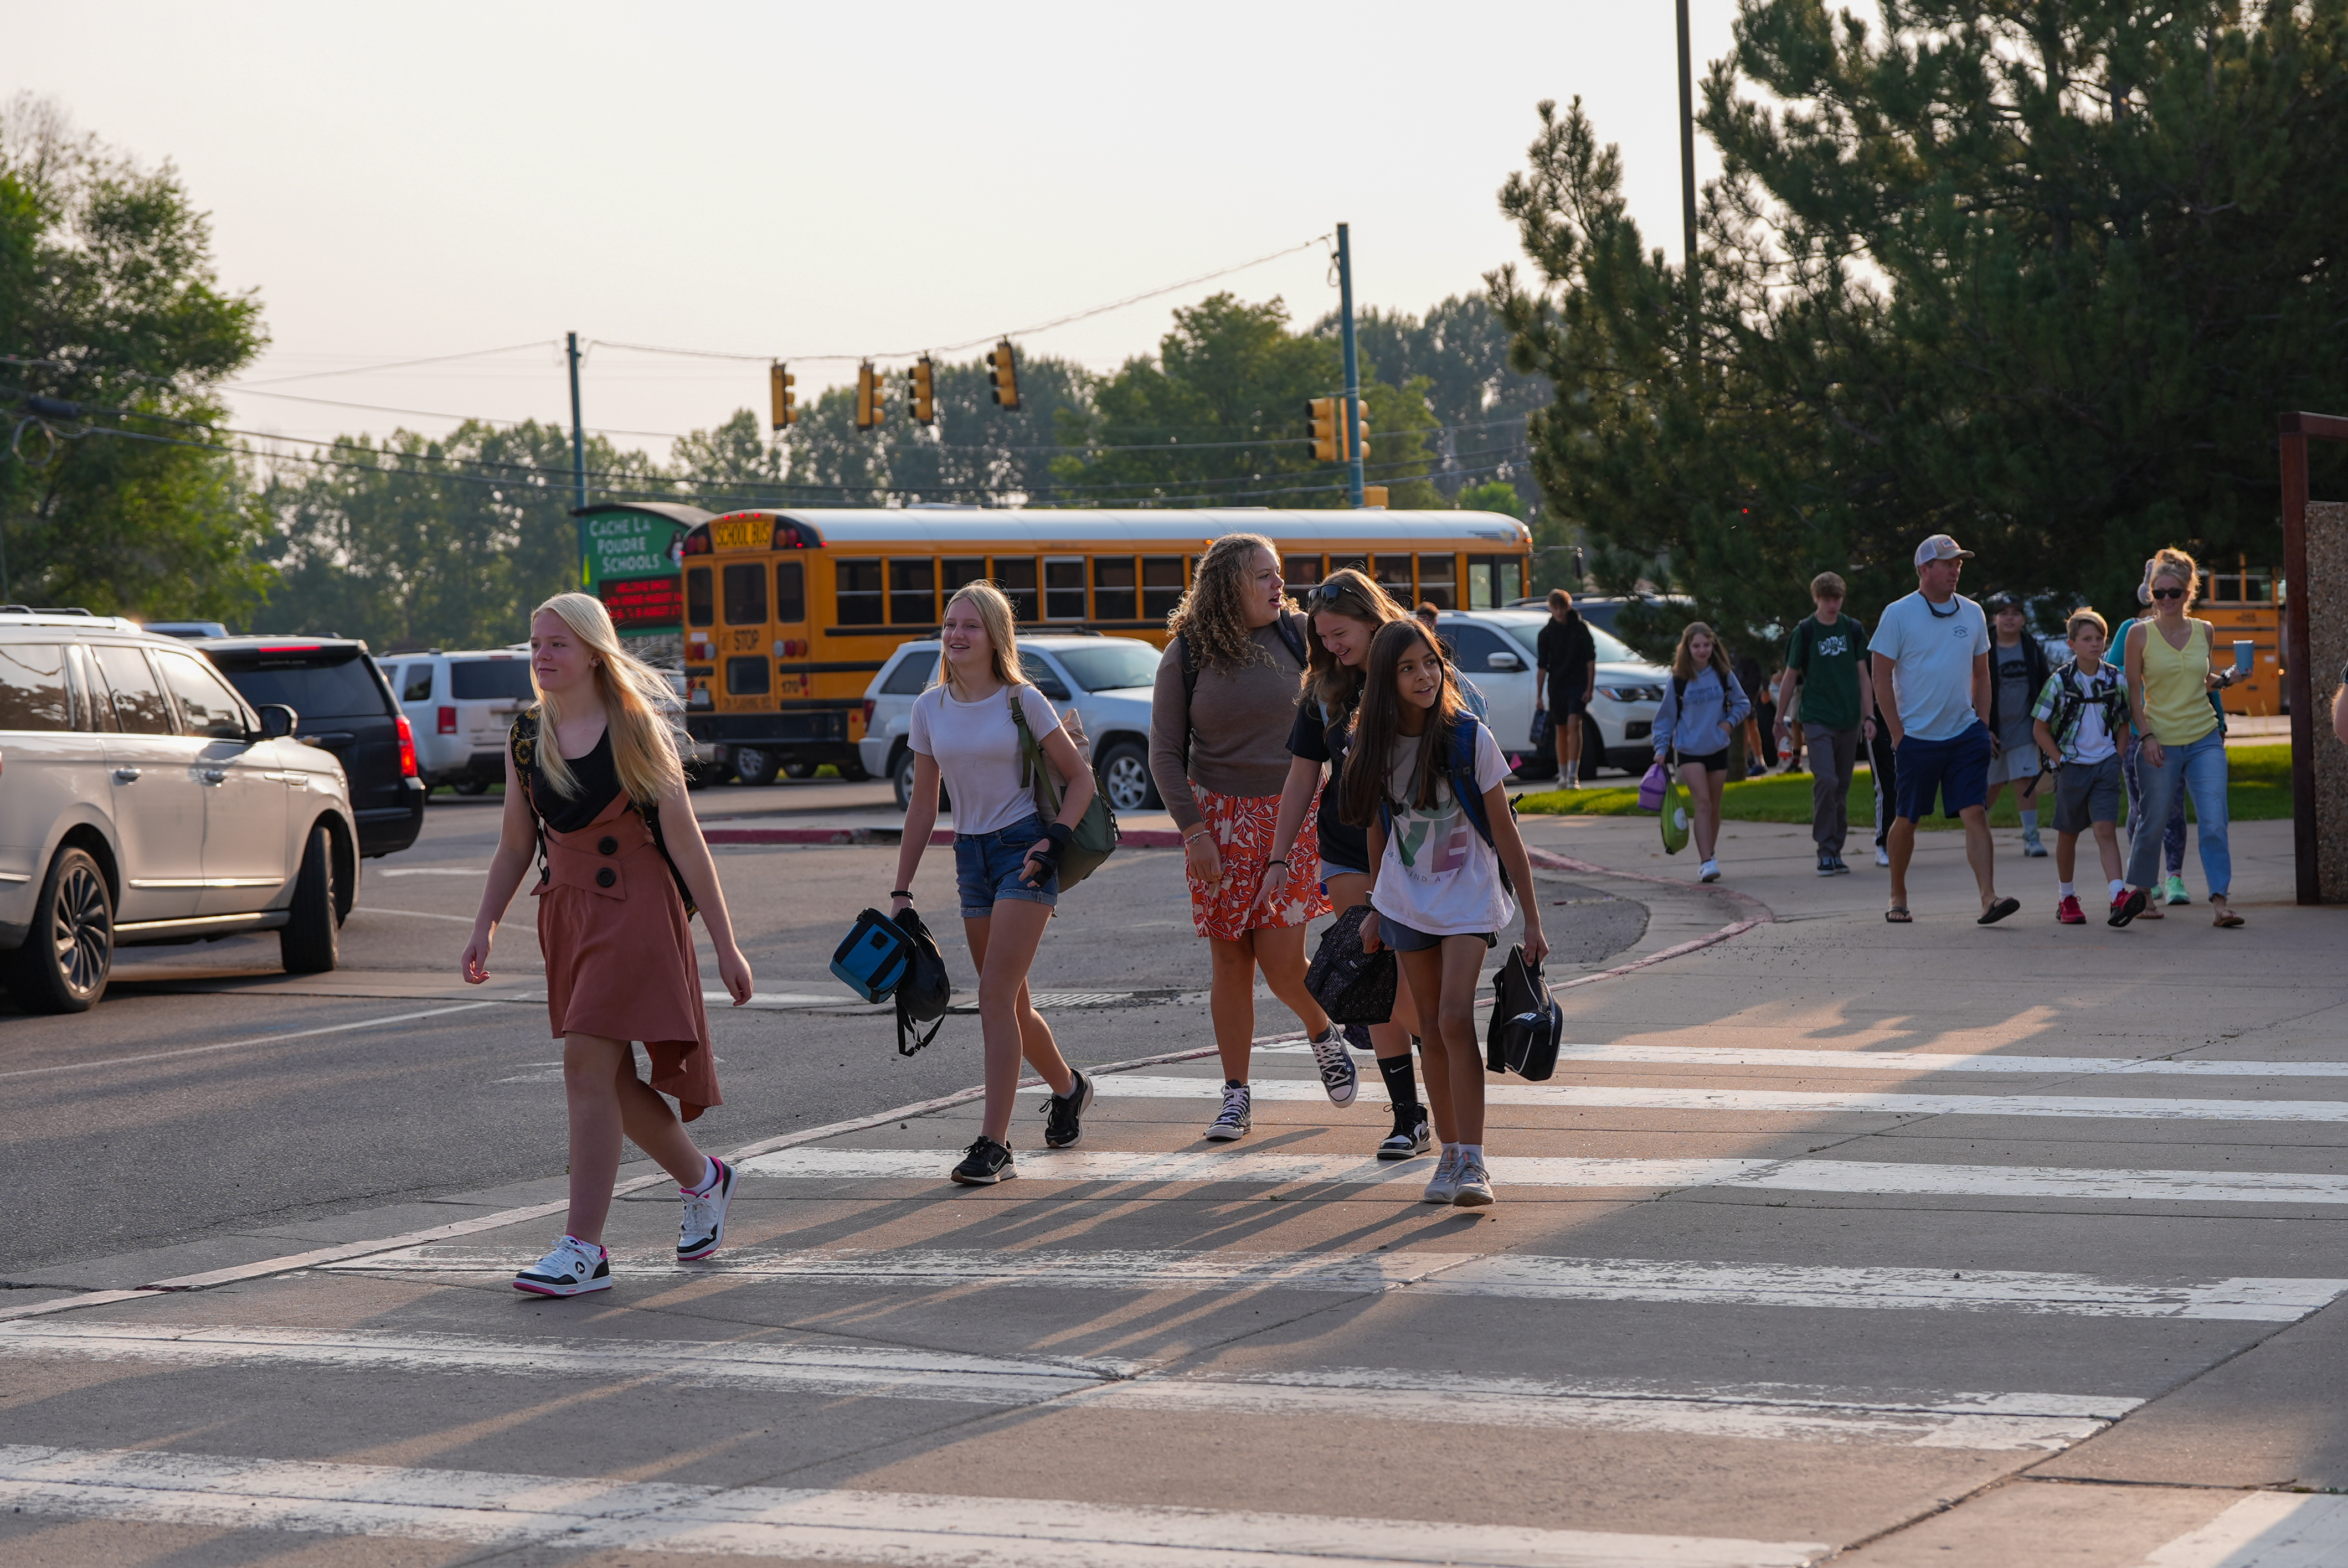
(202, 1098)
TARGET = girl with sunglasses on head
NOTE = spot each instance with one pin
(2170, 676)
(1425, 781)
(1347, 611)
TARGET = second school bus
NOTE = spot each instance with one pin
(788, 612)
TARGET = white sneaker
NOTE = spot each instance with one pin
(1443, 1185)
(1882, 855)
(1709, 872)
(704, 1227)
(573, 1269)
(1474, 1188)
(1338, 1074)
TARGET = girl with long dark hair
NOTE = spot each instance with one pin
(1347, 611)
(1425, 781)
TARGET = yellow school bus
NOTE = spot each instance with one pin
(2245, 602)
(788, 612)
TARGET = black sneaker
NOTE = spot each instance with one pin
(1825, 864)
(1409, 1137)
(1841, 866)
(984, 1162)
(1061, 1112)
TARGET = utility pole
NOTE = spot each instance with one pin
(1687, 190)
(579, 465)
(1353, 366)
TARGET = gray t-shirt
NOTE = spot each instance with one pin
(2011, 666)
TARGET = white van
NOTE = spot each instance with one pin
(460, 706)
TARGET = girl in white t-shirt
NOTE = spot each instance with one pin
(1436, 894)
(1006, 857)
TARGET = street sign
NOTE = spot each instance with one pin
(644, 603)
(629, 544)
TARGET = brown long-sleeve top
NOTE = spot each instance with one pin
(1237, 724)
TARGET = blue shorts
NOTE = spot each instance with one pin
(989, 867)
(1956, 769)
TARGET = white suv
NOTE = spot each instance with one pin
(462, 706)
(1496, 649)
(143, 800)
(1107, 680)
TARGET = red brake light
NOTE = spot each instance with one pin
(869, 705)
(291, 647)
(406, 748)
(447, 725)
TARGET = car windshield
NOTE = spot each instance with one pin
(474, 679)
(1110, 666)
(1612, 649)
(327, 684)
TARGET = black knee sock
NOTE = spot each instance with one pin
(1402, 1088)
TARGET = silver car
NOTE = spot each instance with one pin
(1496, 649)
(1107, 680)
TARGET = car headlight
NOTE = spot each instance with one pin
(1632, 693)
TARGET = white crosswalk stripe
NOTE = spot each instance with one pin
(1913, 1061)
(1512, 1275)
(918, 1530)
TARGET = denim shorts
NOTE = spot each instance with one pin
(1404, 938)
(988, 867)
(1331, 868)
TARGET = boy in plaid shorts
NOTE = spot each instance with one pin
(2080, 719)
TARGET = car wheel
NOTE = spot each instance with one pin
(471, 786)
(901, 778)
(1124, 773)
(753, 766)
(798, 770)
(69, 951)
(853, 772)
(310, 942)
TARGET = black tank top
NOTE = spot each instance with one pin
(597, 777)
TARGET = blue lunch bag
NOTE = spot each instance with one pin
(874, 957)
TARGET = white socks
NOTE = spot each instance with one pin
(2070, 890)
(1470, 1152)
(2118, 887)
(708, 1177)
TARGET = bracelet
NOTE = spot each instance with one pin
(1282, 862)
(900, 893)
(1203, 832)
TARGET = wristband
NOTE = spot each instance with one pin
(1277, 861)
(1190, 837)
(1059, 833)
(900, 893)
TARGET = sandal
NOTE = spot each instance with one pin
(2227, 919)
(1998, 911)
(1898, 914)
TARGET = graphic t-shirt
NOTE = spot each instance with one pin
(1439, 875)
(1826, 659)
(1935, 646)
(977, 750)
(1315, 740)
(2011, 666)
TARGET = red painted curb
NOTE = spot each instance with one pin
(1139, 838)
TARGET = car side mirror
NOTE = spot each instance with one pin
(1503, 661)
(277, 721)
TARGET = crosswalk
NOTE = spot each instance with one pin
(1987, 1370)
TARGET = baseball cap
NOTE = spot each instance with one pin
(1941, 547)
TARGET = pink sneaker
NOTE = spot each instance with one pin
(2069, 912)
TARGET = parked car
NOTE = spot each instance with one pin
(346, 709)
(1497, 649)
(461, 707)
(185, 629)
(1107, 679)
(142, 800)
(1602, 614)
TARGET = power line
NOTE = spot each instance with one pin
(461, 418)
(394, 365)
(979, 341)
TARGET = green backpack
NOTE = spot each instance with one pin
(1095, 837)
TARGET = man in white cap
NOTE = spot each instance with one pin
(1931, 655)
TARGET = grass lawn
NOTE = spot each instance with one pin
(2258, 790)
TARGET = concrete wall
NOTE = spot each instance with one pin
(2327, 619)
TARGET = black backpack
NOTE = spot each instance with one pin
(925, 992)
(1297, 648)
(522, 741)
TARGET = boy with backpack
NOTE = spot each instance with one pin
(2081, 720)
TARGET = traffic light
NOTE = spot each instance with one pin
(921, 384)
(780, 382)
(871, 397)
(1374, 495)
(1327, 438)
(1002, 373)
(1366, 434)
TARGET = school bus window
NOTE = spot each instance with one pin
(698, 610)
(1161, 586)
(1353, 563)
(745, 595)
(912, 593)
(1435, 581)
(790, 591)
(1114, 596)
(747, 677)
(1015, 576)
(1494, 581)
(1393, 575)
(1300, 571)
(960, 571)
(1064, 587)
(856, 587)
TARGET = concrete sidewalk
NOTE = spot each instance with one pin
(1826, 1237)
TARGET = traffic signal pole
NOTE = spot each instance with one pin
(1687, 193)
(578, 461)
(1353, 366)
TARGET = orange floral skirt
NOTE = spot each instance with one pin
(1242, 827)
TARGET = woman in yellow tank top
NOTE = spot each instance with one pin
(2169, 678)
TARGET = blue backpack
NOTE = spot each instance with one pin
(1459, 761)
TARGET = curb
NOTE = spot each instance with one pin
(1763, 915)
(1139, 838)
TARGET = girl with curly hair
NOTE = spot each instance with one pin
(1220, 718)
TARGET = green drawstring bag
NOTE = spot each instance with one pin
(1675, 812)
(1095, 837)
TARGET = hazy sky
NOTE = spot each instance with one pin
(805, 181)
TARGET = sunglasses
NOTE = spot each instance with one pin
(2169, 593)
(1330, 597)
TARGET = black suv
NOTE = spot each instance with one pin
(346, 708)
